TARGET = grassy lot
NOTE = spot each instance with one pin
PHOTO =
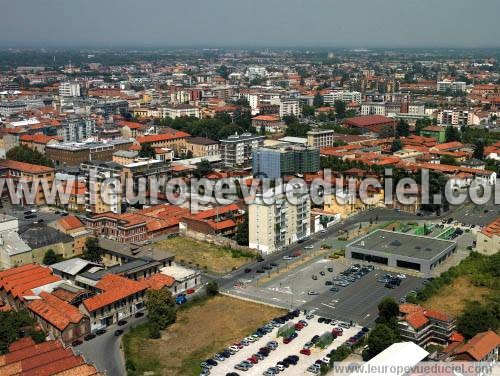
(214, 258)
(454, 297)
(201, 330)
(476, 278)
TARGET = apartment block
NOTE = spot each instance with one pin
(236, 150)
(275, 223)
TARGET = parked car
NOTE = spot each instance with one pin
(139, 314)
(121, 322)
(305, 351)
(100, 332)
(89, 337)
(118, 332)
(76, 342)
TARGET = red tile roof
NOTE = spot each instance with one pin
(70, 222)
(416, 319)
(20, 281)
(114, 289)
(44, 359)
(374, 123)
(25, 167)
(38, 138)
(21, 344)
(492, 229)
(162, 137)
(159, 281)
(480, 345)
(55, 311)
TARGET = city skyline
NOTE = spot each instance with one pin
(220, 23)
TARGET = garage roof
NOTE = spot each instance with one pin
(397, 243)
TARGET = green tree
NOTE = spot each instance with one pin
(147, 151)
(388, 311)
(380, 338)
(223, 72)
(452, 134)
(14, 325)
(297, 130)
(92, 251)
(242, 232)
(479, 149)
(202, 168)
(307, 111)
(51, 257)
(403, 128)
(448, 160)
(27, 155)
(212, 288)
(397, 145)
(478, 318)
(161, 307)
(340, 108)
(318, 100)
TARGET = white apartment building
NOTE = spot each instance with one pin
(69, 89)
(320, 138)
(454, 86)
(373, 108)
(288, 106)
(180, 110)
(76, 129)
(457, 117)
(256, 72)
(275, 222)
(236, 150)
(416, 109)
(341, 95)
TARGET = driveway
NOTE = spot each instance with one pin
(104, 350)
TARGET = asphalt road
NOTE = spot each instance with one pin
(227, 281)
(104, 350)
(358, 301)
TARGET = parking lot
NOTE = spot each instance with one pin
(357, 302)
(284, 350)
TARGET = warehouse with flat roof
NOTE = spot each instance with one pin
(396, 249)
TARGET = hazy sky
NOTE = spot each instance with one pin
(359, 23)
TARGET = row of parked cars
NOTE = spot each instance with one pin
(261, 354)
(315, 368)
(392, 281)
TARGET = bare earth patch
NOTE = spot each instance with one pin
(453, 298)
(200, 331)
(203, 255)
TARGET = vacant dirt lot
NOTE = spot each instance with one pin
(200, 331)
(204, 255)
(453, 298)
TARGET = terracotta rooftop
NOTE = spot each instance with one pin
(55, 311)
(114, 288)
(159, 281)
(25, 167)
(162, 137)
(70, 222)
(480, 345)
(492, 229)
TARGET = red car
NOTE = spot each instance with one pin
(253, 360)
(190, 291)
(299, 326)
(305, 351)
(238, 345)
(337, 331)
(287, 340)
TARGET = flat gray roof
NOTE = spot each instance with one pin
(398, 243)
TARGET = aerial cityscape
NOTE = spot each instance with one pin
(262, 188)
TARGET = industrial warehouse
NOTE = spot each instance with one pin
(396, 249)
